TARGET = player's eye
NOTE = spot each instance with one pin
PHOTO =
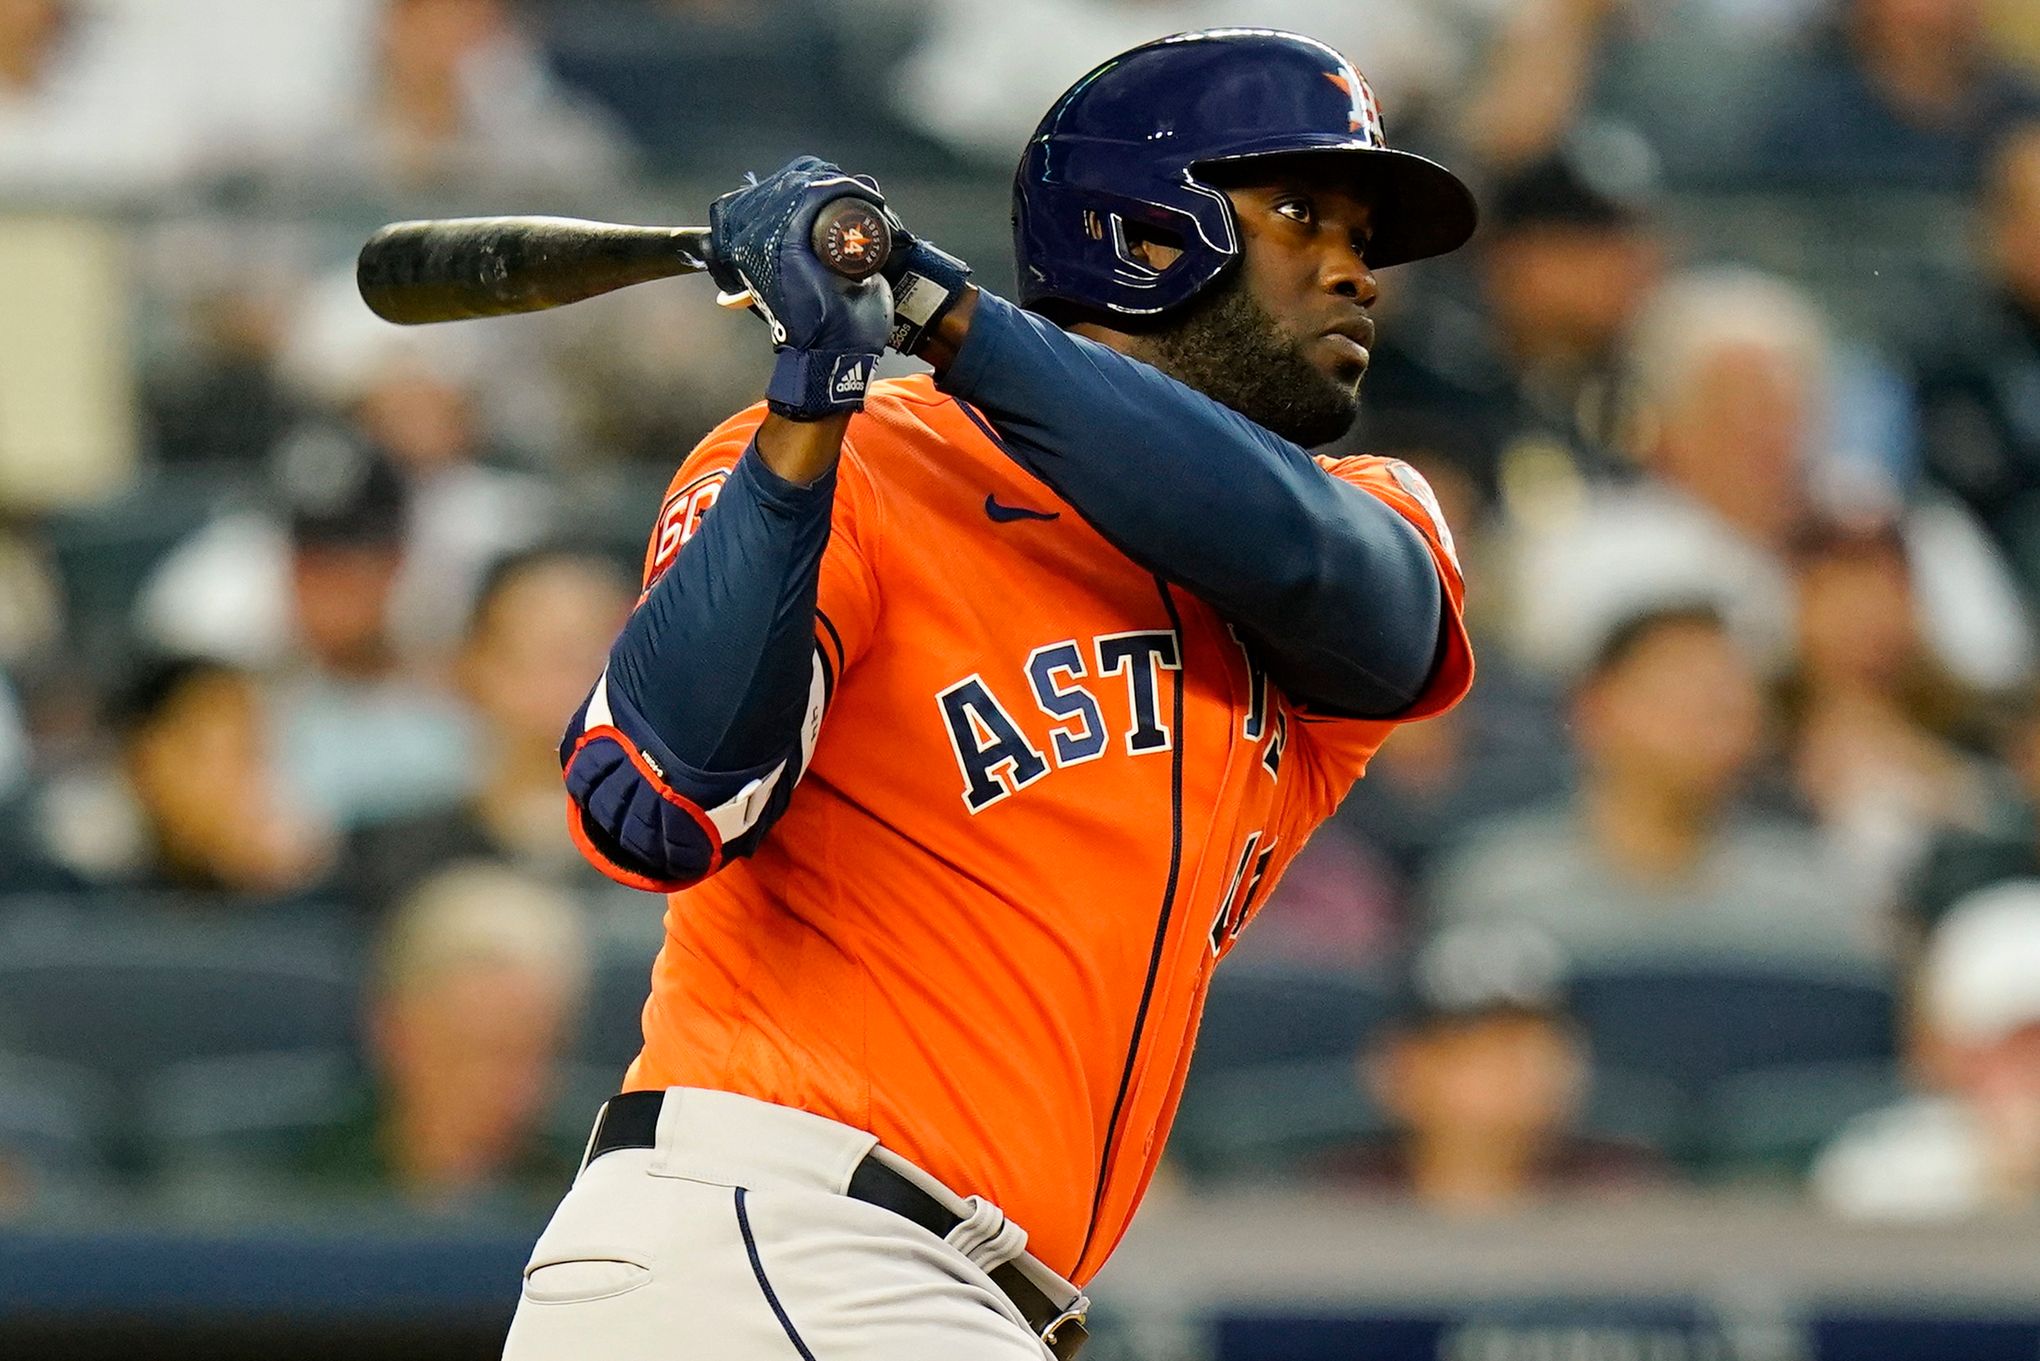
(1297, 209)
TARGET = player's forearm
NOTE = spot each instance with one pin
(1339, 590)
(801, 451)
(946, 337)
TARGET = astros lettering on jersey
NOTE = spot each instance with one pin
(1048, 793)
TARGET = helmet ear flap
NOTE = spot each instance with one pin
(1119, 255)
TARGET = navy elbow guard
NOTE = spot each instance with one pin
(643, 817)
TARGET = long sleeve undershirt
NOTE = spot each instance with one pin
(1337, 591)
(718, 657)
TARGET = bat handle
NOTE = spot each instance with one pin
(851, 237)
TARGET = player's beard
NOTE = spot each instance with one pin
(1231, 349)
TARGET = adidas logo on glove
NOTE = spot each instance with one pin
(853, 373)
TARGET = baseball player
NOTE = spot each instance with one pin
(968, 719)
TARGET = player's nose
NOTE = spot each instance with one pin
(1345, 273)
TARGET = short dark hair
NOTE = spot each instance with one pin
(505, 571)
(334, 488)
(1825, 538)
(156, 683)
(1601, 178)
(1623, 638)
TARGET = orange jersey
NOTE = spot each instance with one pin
(1048, 792)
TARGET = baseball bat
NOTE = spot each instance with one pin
(452, 269)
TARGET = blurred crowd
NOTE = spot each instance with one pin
(1728, 873)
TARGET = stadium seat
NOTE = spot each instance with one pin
(53, 1118)
(1639, 1110)
(612, 1032)
(1272, 1082)
(1774, 1122)
(210, 1112)
(126, 996)
(1269, 1120)
(1695, 1023)
(1278, 1013)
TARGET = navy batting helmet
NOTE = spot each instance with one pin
(1137, 139)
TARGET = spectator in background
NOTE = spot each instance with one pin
(448, 95)
(369, 735)
(1879, 733)
(195, 802)
(413, 397)
(539, 637)
(1569, 251)
(224, 287)
(1655, 856)
(479, 983)
(1895, 95)
(1348, 898)
(1980, 390)
(1735, 377)
(1484, 1080)
(2015, 31)
(983, 70)
(84, 109)
(1687, 73)
(419, 394)
(1963, 859)
(1972, 1145)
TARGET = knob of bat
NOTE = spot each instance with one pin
(851, 238)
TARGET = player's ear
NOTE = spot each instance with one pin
(1155, 247)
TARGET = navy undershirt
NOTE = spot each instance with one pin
(1335, 588)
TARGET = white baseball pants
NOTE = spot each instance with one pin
(732, 1240)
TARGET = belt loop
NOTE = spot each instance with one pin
(986, 1236)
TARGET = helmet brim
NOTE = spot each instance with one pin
(1421, 209)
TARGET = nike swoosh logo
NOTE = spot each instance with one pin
(1003, 514)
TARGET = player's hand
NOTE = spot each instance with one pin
(926, 282)
(828, 330)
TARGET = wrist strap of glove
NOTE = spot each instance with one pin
(809, 385)
(922, 293)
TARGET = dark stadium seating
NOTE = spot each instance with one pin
(1753, 1063)
(1269, 1120)
(205, 1112)
(1774, 1121)
(1275, 1013)
(612, 1032)
(1273, 1080)
(1694, 1022)
(53, 1117)
(125, 994)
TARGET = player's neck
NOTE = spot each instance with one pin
(1126, 343)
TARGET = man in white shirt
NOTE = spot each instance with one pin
(1974, 1146)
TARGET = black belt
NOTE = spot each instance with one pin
(631, 1120)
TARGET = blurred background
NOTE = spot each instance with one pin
(1677, 998)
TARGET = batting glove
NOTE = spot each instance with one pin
(828, 330)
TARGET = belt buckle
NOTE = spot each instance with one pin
(1066, 1335)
